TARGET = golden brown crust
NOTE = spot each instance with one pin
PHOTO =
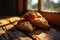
(40, 23)
(31, 15)
(35, 37)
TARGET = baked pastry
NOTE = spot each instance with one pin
(31, 15)
(25, 25)
(40, 22)
(36, 19)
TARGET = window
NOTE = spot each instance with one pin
(50, 5)
(32, 5)
(46, 5)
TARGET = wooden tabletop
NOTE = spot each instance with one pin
(10, 32)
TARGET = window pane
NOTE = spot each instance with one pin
(50, 5)
(32, 4)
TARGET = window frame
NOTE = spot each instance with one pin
(45, 11)
(39, 7)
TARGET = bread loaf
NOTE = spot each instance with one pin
(31, 15)
(40, 22)
(25, 25)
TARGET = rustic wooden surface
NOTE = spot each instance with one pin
(10, 32)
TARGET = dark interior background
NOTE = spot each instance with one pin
(7, 7)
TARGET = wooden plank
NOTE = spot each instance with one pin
(11, 35)
(20, 35)
(40, 35)
(14, 34)
(6, 36)
(2, 38)
(13, 19)
(54, 32)
(10, 26)
(3, 22)
(51, 34)
(9, 20)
